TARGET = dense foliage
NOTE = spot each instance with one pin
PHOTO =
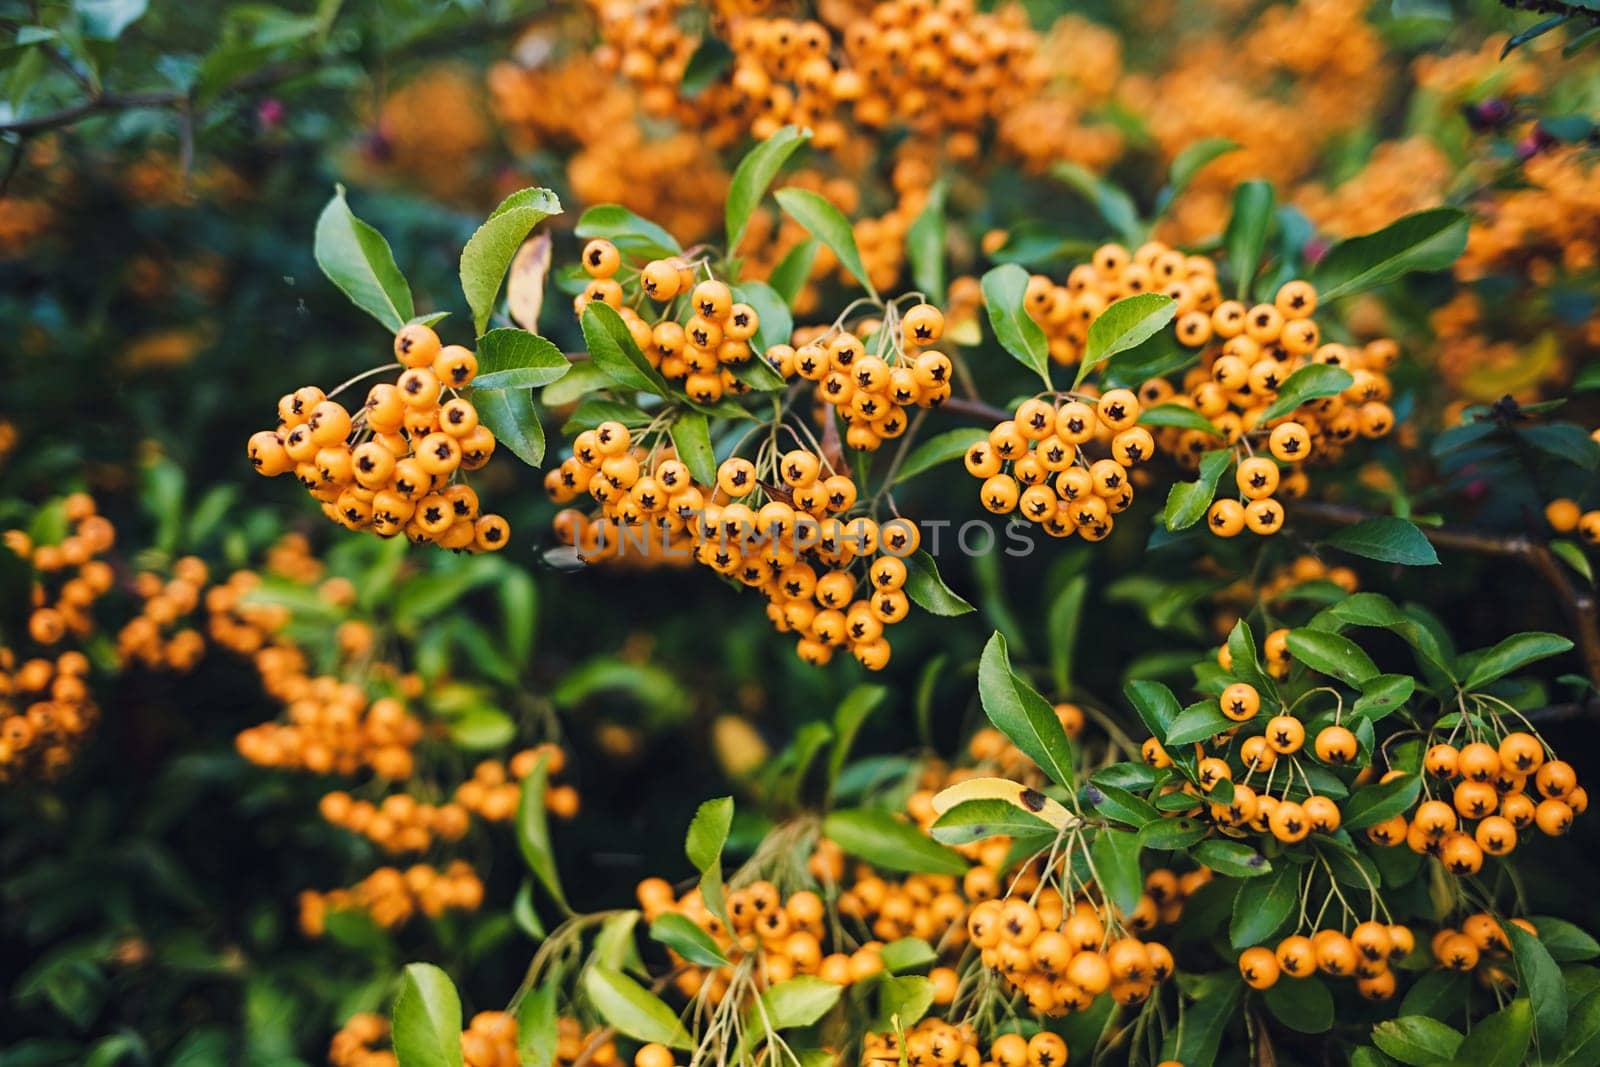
(913, 531)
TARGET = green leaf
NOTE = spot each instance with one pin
(510, 416)
(927, 589)
(1572, 555)
(1417, 1040)
(633, 1009)
(1184, 418)
(517, 359)
(488, 252)
(708, 831)
(1061, 625)
(847, 719)
(104, 20)
(1426, 241)
(1262, 905)
(708, 63)
(940, 448)
(754, 174)
(1582, 1043)
(1563, 940)
(1247, 662)
(1514, 653)
(1124, 325)
(1501, 1040)
(536, 1026)
(1387, 539)
(1116, 864)
(357, 259)
(974, 820)
(794, 270)
(1171, 834)
(1330, 654)
(1118, 804)
(687, 940)
(632, 234)
(827, 224)
(1437, 994)
(533, 832)
(925, 243)
(1114, 205)
(1304, 1005)
(902, 1000)
(1232, 859)
(800, 1001)
(482, 729)
(1246, 235)
(1204, 1021)
(427, 1018)
(1372, 804)
(1187, 502)
(1384, 694)
(691, 436)
(1004, 290)
(1158, 709)
(1196, 723)
(1189, 162)
(1564, 440)
(889, 843)
(1308, 383)
(1539, 979)
(612, 349)
(1018, 711)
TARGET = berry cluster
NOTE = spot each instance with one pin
(398, 823)
(1365, 954)
(495, 788)
(784, 528)
(700, 352)
(1566, 516)
(1066, 311)
(1480, 939)
(870, 391)
(934, 1041)
(786, 935)
(1062, 956)
(69, 575)
(391, 897)
(490, 1040)
(46, 713)
(395, 465)
(934, 68)
(333, 728)
(1281, 583)
(155, 637)
(1491, 790)
(1038, 464)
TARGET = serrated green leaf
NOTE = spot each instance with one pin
(357, 259)
(827, 224)
(754, 175)
(489, 251)
(1004, 290)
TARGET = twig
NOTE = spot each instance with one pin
(975, 408)
(1579, 604)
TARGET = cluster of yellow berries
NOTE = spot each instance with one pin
(333, 728)
(398, 823)
(1365, 954)
(1036, 463)
(490, 1040)
(934, 1041)
(786, 934)
(1062, 956)
(69, 576)
(495, 788)
(46, 713)
(391, 897)
(1491, 791)
(870, 391)
(788, 536)
(701, 352)
(929, 907)
(1279, 584)
(155, 637)
(394, 466)
(1065, 311)
(932, 67)
(1480, 939)
(1566, 516)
